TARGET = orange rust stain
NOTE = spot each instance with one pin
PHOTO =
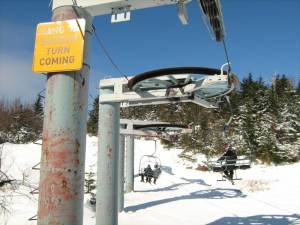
(59, 189)
(110, 112)
(62, 139)
(77, 151)
(58, 159)
(77, 148)
(56, 149)
(64, 184)
(55, 192)
(60, 151)
(109, 152)
(45, 150)
(50, 115)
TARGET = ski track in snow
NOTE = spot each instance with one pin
(265, 195)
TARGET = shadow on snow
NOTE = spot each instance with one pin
(217, 193)
(167, 169)
(174, 187)
(259, 220)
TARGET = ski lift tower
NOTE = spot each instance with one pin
(202, 86)
(139, 128)
(67, 67)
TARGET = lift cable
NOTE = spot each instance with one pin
(213, 18)
(101, 44)
(227, 55)
(74, 2)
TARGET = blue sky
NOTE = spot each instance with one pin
(263, 38)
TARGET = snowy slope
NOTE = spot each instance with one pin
(266, 195)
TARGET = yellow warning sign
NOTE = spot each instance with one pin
(59, 46)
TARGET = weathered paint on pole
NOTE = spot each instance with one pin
(107, 165)
(121, 174)
(129, 181)
(64, 138)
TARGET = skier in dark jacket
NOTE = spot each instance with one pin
(230, 158)
(156, 173)
(142, 174)
(148, 174)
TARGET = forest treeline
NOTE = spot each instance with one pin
(266, 121)
(20, 122)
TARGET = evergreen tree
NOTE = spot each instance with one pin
(287, 127)
(38, 110)
(298, 88)
(255, 119)
(38, 105)
(92, 124)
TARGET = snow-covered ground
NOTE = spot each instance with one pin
(182, 195)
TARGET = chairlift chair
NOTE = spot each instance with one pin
(163, 130)
(151, 160)
(242, 162)
(148, 160)
(220, 166)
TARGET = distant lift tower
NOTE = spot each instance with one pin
(203, 86)
(139, 128)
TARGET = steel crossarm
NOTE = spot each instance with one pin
(128, 127)
(103, 7)
(122, 94)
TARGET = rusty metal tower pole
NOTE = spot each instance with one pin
(107, 165)
(129, 181)
(121, 174)
(64, 137)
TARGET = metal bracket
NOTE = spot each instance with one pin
(182, 12)
(34, 191)
(36, 166)
(33, 218)
(121, 14)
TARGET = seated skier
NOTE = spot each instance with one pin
(229, 157)
(156, 173)
(142, 174)
(148, 173)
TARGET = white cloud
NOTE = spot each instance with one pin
(17, 79)
(16, 37)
